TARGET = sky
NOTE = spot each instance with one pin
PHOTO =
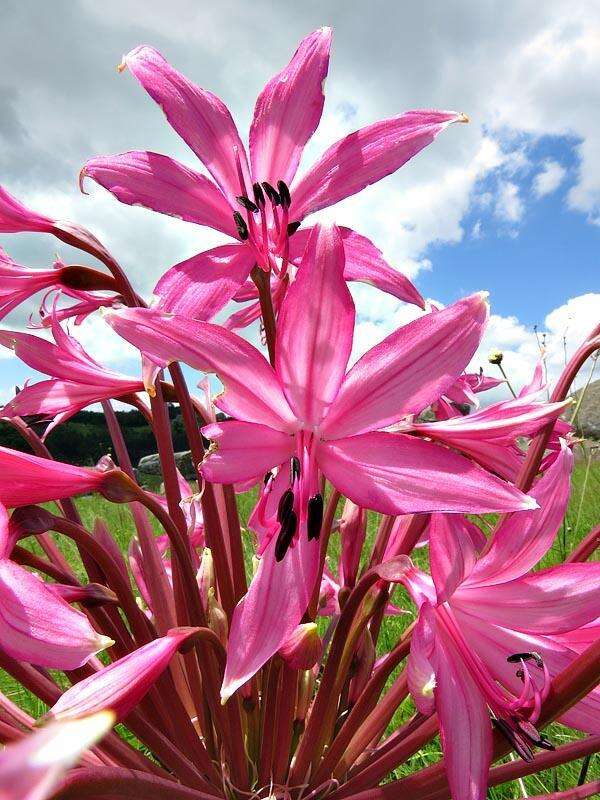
(509, 203)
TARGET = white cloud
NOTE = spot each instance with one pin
(549, 178)
(509, 205)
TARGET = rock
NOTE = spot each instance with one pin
(588, 418)
(150, 465)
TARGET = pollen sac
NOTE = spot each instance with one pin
(284, 194)
(271, 193)
(259, 197)
(294, 469)
(241, 226)
(247, 203)
(286, 504)
(517, 741)
(314, 516)
(292, 228)
(286, 535)
(517, 657)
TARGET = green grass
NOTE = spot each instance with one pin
(583, 514)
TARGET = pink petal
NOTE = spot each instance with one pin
(397, 474)
(32, 768)
(366, 156)
(121, 685)
(151, 180)
(554, 600)
(408, 370)
(39, 627)
(28, 479)
(288, 111)
(252, 390)
(243, 450)
(16, 218)
(59, 400)
(315, 328)
(465, 728)
(198, 116)
(452, 555)
(364, 263)
(202, 285)
(353, 529)
(269, 613)
(523, 539)
(420, 671)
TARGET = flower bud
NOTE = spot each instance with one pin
(364, 660)
(304, 647)
(206, 576)
(93, 594)
(495, 356)
(217, 618)
(118, 487)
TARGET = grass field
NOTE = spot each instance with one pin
(583, 514)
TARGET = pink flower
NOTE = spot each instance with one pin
(18, 284)
(307, 416)
(488, 637)
(36, 624)
(250, 200)
(77, 380)
(464, 392)
(31, 769)
(121, 685)
(17, 218)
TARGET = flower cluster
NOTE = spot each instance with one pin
(275, 680)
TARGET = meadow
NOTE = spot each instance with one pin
(583, 514)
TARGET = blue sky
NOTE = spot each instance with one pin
(509, 203)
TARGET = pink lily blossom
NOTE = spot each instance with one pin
(18, 283)
(29, 479)
(121, 685)
(32, 767)
(486, 640)
(464, 392)
(77, 380)
(310, 417)
(250, 200)
(36, 624)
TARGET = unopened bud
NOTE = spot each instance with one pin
(364, 661)
(306, 686)
(206, 576)
(30, 521)
(304, 647)
(86, 279)
(495, 356)
(118, 487)
(217, 618)
(93, 594)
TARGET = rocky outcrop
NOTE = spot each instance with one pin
(150, 465)
(588, 418)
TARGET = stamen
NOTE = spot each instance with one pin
(286, 535)
(259, 197)
(247, 203)
(295, 469)
(292, 228)
(268, 476)
(314, 519)
(517, 741)
(516, 657)
(241, 226)
(271, 193)
(286, 504)
(284, 194)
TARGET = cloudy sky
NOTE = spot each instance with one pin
(509, 203)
